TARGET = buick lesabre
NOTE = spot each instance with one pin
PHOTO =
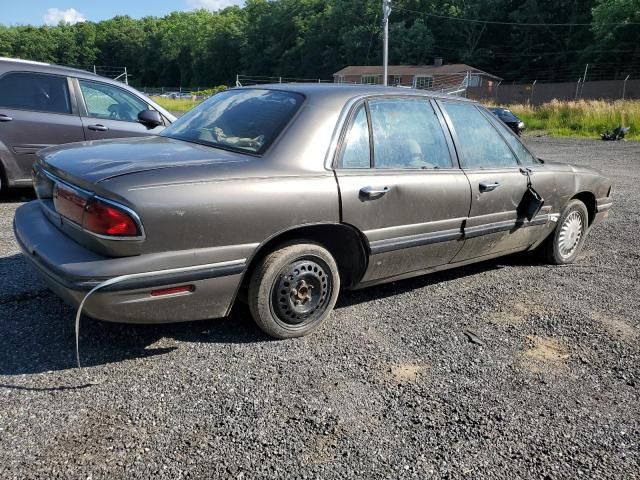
(283, 195)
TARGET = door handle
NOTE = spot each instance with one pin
(98, 128)
(5, 118)
(374, 192)
(488, 186)
(526, 171)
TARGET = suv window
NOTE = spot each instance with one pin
(407, 134)
(35, 91)
(109, 102)
(480, 143)
(516, 145)
(356, 152)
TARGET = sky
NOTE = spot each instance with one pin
(51, 12)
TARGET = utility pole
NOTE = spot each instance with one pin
(386, 11)
(624, 86)
(584, 79)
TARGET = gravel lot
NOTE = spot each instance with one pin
(391, 387)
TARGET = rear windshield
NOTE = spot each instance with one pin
(505, 115)
(246, 120)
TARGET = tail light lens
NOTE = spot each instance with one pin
(69, 202)
(93, 214)
(106, 219)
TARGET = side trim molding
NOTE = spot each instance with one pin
(489, 228)
(391, 244)
(399, 243)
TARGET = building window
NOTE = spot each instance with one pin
(338, 78)
(472, 81)
(371, 79)
(423, 81)
(397, 80)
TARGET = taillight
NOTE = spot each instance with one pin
(69, 203)
(105, 219)
(94, 214)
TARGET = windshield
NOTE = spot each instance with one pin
(246, 120)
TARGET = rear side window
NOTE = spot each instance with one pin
(480, 143)
(356, 152)
(35, 91)
(246, 120)
(108, 102)
(407, 134)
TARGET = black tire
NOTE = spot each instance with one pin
(293, 290)
(3, 182)
(563, 246)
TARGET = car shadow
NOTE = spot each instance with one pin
(37, 331)
(18, 195)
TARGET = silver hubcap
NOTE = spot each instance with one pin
(570, 234)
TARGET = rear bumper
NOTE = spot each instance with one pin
(71, 271)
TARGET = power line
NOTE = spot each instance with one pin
(497, 22)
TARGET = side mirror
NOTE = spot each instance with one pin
(150, 118)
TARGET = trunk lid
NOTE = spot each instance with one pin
(88, 163)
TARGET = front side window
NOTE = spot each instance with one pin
(356, 152)
(481, 146)
(109, 102)
(516, 145)
(407, 134)
(35, 91)
(246, 120)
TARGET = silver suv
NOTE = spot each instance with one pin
(43, 105)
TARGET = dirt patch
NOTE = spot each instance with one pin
(616, 326)
(543, 354)
(515, 312)
(406, 372)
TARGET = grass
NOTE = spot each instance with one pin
(582, 118)
(176, 104)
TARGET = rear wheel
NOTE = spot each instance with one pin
(564, 245)
(293, 290)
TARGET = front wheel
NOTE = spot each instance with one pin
(565, 243)
(293, 290)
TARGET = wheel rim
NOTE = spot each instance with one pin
(301, 292)
(570, 234)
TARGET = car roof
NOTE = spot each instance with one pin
(345, 92)
(32, 66)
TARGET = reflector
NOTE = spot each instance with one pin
(172, 290)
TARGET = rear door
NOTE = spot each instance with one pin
(497, 184)
(108, 111)
(36, 111)
(401, 185)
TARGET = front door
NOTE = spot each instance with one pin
(111, 112)
(498, 185)
(36, 111)
(400, 185)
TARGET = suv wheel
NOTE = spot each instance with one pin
(565, 243)
(293, 290)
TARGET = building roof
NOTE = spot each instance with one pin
(448, 69)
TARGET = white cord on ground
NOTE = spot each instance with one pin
(121, 278)
(106, 283)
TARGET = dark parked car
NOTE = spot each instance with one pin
(43, 105)
(508, 117)
(284, 194)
